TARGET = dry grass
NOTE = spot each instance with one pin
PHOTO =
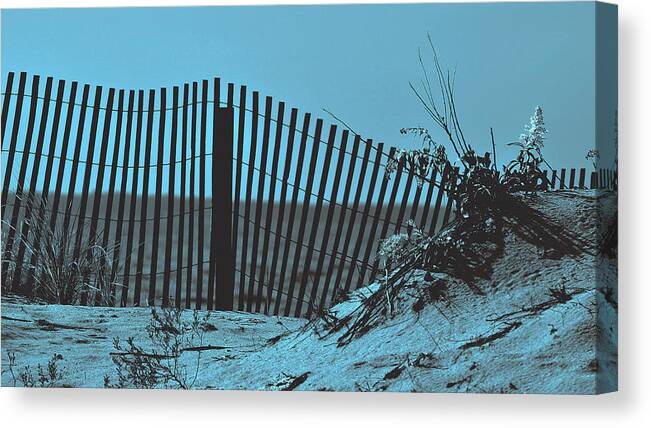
(62, 265)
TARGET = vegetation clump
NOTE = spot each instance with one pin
(57, 263)
(162, 364)
(48, 376)
(475, 184)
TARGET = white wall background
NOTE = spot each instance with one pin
(629, 407)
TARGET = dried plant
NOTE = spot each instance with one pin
(431, 156)
(441, 105)
(524, 173)
(593, 156)
(60, 264)
(162, 365)
(49, 376)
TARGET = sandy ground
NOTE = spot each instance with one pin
(501, 333)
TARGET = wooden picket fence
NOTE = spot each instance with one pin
(292, 218)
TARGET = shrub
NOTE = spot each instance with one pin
(161, 366)
(478, 190)
(50, 376)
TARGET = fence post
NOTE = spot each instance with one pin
(572, 177)
(222, 206)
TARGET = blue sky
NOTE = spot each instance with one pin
(354, 60)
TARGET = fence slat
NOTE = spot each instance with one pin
(448, 206)
(405, 200)
(389, 213)
(225, 258)
(20, 181)
(191, 235)
(342, 218)
(171, 196)
(281, 208)
(327, 226)
(445, 176)
(428, 199)
(181, 238)
(304, 214)
(241, 117)
(210, 300)
(48, 169)
(201, 221)
(554, 177)
(351, 222)
(292, 210)
(373, 240)
(307, 264)
(54, 132)
(122, 200)
(269, 212)
(13, 142)
(215, 199)
(5, 104)
(572, 177)
(144, 199)
(158, 199)
(361, 236)
(58, 187)
(415, 204)
(582, 178)
(134, 199)
(72, 185)
(83, 201)
(259, 202)
(112, 182)
(229, 95)
(99, 184)
(88, 168)
(247, 204)
(31, 195)
(562, 180)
